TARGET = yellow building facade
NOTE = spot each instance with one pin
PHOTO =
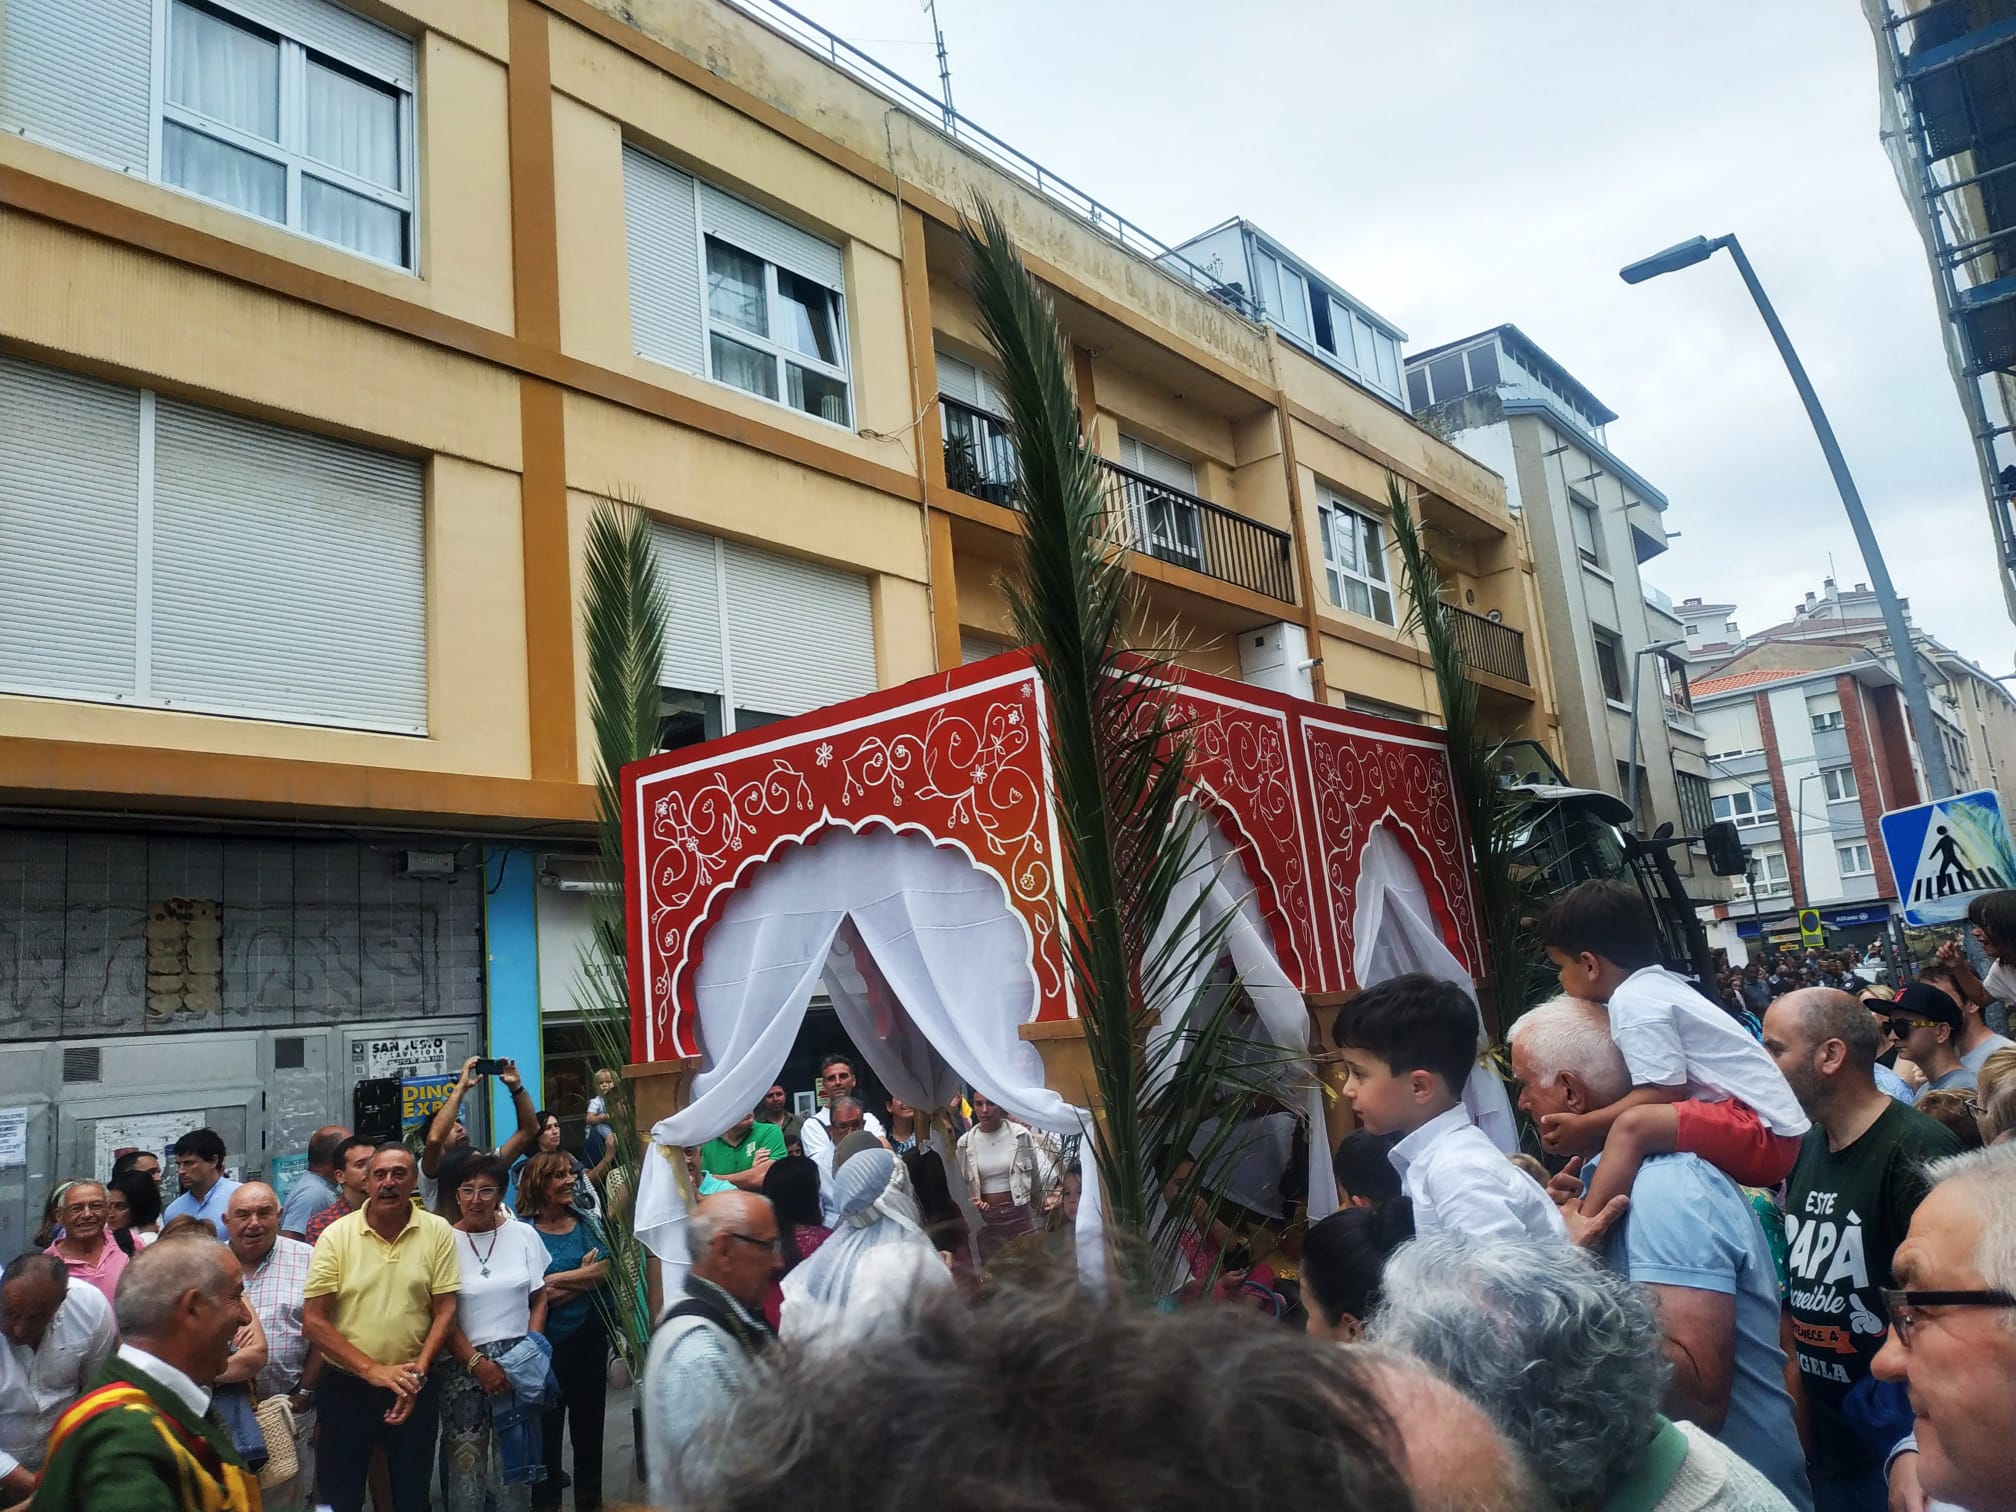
(486, 260)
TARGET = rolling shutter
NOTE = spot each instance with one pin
(689, 579)
(84, 85)
(69, 533)
(973, 648)
(742, 225)
(800, 635)
(1153, 462)
(289, 574)
(958, 379)
(334, 30)
(658, 221)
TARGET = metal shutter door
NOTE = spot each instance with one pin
(69, 533)
(84, 84)
(289, 574)
(800, 636)
(658, 221)
(743, 225)
(341, 33)
(689, 579)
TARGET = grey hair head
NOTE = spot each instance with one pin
(1563, 1354)
(1989, 1175)
(700, 1231)
(156, 1280)
(1569, 1034)
(37, 1265)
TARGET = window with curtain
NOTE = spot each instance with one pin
(775, 333)
(257, 119)
(1354, 561)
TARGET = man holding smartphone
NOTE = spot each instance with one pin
(447, 1147)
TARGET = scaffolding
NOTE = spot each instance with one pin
(1948, 77)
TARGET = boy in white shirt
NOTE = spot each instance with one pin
(1699, 1083)
(1408, 1046)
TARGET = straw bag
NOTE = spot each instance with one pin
(276, 1426)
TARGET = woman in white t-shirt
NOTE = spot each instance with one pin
(1009, 1171)
(503, 1299)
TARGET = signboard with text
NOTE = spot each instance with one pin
(421, 1097)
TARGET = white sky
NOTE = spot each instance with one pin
(1464, 164)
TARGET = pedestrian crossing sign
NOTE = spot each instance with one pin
(1944, 855)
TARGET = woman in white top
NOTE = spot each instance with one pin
(503, 1298)
(1009, 1171)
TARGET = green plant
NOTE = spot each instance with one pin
(1498, 817)
(1118, 752)
(623, 620)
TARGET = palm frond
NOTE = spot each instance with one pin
(1118, 756)
(623, 621)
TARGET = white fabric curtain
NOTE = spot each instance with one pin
(224, 72)
(1213, 890)
(1394, 926)
(353, 126)
(351, 220)
(939, 932)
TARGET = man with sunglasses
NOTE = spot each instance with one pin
(701, 1354)
(1848, 1205)
(1926, 1023)
(1952, 1337)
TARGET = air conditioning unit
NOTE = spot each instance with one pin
(1277, 657)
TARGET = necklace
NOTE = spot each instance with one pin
(482, 1256)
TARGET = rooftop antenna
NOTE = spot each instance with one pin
(944, 69)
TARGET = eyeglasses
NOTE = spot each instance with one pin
(470, 1193)
(1902, 1306)
(1903, 1026)
(775, 1246)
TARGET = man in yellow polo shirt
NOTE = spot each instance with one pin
(380, 1302)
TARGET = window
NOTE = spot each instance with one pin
(164, 555)
(1283, 293)
(1746, 807)
(1354, 561)
(726, 291)
(1839, 784)
(1417, 390)
(297, 112)
(1693, 630)
(1610, 664)
(1696, 808)
(1483, 367)
(1854, 859)
(1824, 710)
(1379, 709)
(1448, 377)
(1588, 528)
(1768, 876)
(1163, 524)
(1732, 730)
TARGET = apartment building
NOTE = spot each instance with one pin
(1593, 522)
(334, 319)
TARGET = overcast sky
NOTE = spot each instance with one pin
(1465, 164)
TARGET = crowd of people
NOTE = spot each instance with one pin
(1768, 1263)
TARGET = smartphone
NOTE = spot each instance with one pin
(488, 1067)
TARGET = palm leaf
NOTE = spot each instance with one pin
(623, 621)
(1118, 753)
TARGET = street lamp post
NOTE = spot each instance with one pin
(1638, 666)
(1700, 249)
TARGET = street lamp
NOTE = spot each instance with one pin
(1638, 666)
(1700, 249)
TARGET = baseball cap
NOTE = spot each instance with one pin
(1921, 1000)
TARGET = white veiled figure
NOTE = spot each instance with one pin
(875, 1266)
(1394, 926)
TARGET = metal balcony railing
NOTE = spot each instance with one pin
(979, 458)
(1489, 646)
(1174, 526)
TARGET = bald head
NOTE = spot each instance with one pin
(1825, 1013)
(1825, 1044)
(732, 1237)
(252, 1222)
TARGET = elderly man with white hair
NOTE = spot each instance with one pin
(1691, 1239)
(1564, 1356)
(1952, 1337)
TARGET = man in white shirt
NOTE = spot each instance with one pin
(59, 1335)
(817, 1136)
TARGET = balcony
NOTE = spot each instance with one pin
(1153, 518)
(1489, 646)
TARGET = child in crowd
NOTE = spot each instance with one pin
(1408, 1046)
(1699, 1083)
(1363, 1169)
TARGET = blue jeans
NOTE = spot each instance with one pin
(1865, 1491)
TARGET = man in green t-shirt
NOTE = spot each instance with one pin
(1848, 1205)
(742, 1156)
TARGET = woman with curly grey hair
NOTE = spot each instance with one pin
(1566, 1357)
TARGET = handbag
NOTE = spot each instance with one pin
(276, 1425)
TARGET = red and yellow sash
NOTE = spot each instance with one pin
(207, 1483)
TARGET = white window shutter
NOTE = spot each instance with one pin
(1163, 467)
(973, 648)
(689, 581)
(69, 533)
(958, 379)
(289, 574)
(665, 294)
(800, 635)
(82, 84)
(742, 225)
(337, 31)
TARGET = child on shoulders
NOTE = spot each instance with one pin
(1699, 1083)
(1408, 1046)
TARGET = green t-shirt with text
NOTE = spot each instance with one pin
(1846, 1211)
(720, 1158)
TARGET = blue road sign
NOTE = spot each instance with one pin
(1946, 854)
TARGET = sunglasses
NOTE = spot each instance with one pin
(1903, 1026)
